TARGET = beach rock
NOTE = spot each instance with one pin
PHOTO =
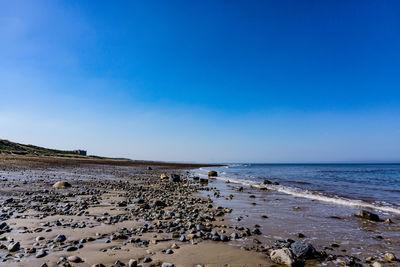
(166, 264)
(60, 238)
(71, 248)
(132, 263)
(390, 257)
(41, 253)
(267, 182)
(175, 178)
(303, 250)
(388, 221)
(149, 168)
(14, 247)
(212, 174)
(164, 176)
(39, 238)
(364, 214)
(282, 256)
(203, 181)
(62, 184)
(159, 203)
(75, 259)
(118, 264)
(147, 259)
(3, 225)
(376, 264)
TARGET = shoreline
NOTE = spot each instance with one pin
(119, 212)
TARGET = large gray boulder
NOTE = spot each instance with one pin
(282, 256)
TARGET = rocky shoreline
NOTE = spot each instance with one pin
(116, 215)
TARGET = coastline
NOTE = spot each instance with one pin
(118, 212)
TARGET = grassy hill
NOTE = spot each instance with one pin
(8, 147)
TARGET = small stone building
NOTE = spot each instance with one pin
(80, 152)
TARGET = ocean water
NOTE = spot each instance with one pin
(370, 186)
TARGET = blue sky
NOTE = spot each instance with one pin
(205, 81)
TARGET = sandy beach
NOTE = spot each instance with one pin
(116, 213)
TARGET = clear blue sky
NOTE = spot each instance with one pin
(204, 81)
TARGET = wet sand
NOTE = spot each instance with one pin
(117, 211)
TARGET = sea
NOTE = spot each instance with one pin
(369, 186)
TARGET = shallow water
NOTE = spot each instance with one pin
(373, 186)
(323, 222)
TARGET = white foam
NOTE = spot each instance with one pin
(298, 192)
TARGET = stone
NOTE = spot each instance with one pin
(71, 248)
(175, 178)
(147, 259)
(388, 221)
(376, 264)
(169, 251)
(3, 225)
(39, 238)
(14, 247)
(303, 250)
(118, 264)
(212, 174)
(203, 181)
(166, 264)
(132, 263)
(164, 176)
(390, 257)
(282, 256)
(75, 259)
(41, 253)
(267, 181)
(149, 168)
(364, 214)
(60, 238)
(62, 184)
(98, 265)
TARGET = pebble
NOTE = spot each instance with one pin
(75, 259)
(132, 263)
(14, 247)
(147, 259)
(60, 238)
(390, 257)
(41, 253)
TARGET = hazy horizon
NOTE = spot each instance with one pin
(207, 81)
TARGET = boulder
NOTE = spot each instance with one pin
(14, 247)
(203, 181)
(132, 263)
(75, 259)
(212, 174)
(62, 184)
(60, 238)
(364, 214)
(267, 181)
(282, 256)
(175, 178)
(303, 250)
(390, 257)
